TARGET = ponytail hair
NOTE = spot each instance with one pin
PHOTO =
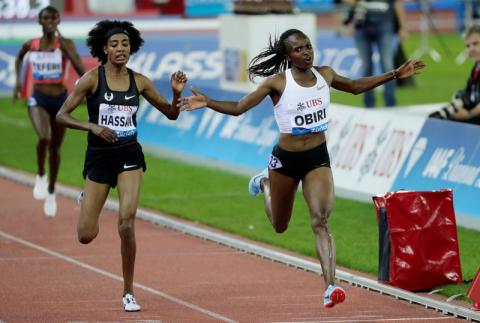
(272, 59)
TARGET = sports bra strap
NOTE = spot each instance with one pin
(35, 44)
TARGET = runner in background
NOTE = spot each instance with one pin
(114, 156)
(300, 93)
(48, 57)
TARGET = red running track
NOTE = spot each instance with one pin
(47, 276)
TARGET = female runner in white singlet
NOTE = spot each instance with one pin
(300, 93)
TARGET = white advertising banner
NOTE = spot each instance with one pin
(368, 147)
(242, 37)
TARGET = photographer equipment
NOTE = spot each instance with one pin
(460, 99)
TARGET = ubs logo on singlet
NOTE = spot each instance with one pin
(312, 103)
(309, 116)
(119, 118)
(108, 96)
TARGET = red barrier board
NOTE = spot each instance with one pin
(422, 235)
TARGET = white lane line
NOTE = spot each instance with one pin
(115, 277)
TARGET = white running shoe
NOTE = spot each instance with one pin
(254, 185)
(80, 198)
(50, 206)
(40, 189)
(130, 304)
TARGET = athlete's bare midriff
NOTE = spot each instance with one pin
(301, 143)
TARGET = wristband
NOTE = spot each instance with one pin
(394, 74)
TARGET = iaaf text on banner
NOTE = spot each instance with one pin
(445, 155)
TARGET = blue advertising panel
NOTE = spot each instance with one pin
(244, 140)
(199, 55)
(445, 155)
(196, 53)
(207, 8)
(314, 5)
(8, 52)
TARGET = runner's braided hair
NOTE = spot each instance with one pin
(272, 59)
(98, 37)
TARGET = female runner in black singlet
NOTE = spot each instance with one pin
(114, 157)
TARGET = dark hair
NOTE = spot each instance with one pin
(52, 9)
(97, 39)
(261, 65)
(474, 29)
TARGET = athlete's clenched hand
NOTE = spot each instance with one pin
(105, 133)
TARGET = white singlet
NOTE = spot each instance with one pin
(303, 110)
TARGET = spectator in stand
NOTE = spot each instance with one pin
(465, 104)
(340, 10)
(374, 26)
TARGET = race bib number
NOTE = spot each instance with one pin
(46, 65)
(118, 118)
(274, 162)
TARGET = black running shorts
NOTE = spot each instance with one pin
(50, 103)
(104, 165)
(298, 164)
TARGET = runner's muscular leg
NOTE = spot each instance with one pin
(41, 123)
(279, 194)
(319, 194)
(94, 196)
(129, 183)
